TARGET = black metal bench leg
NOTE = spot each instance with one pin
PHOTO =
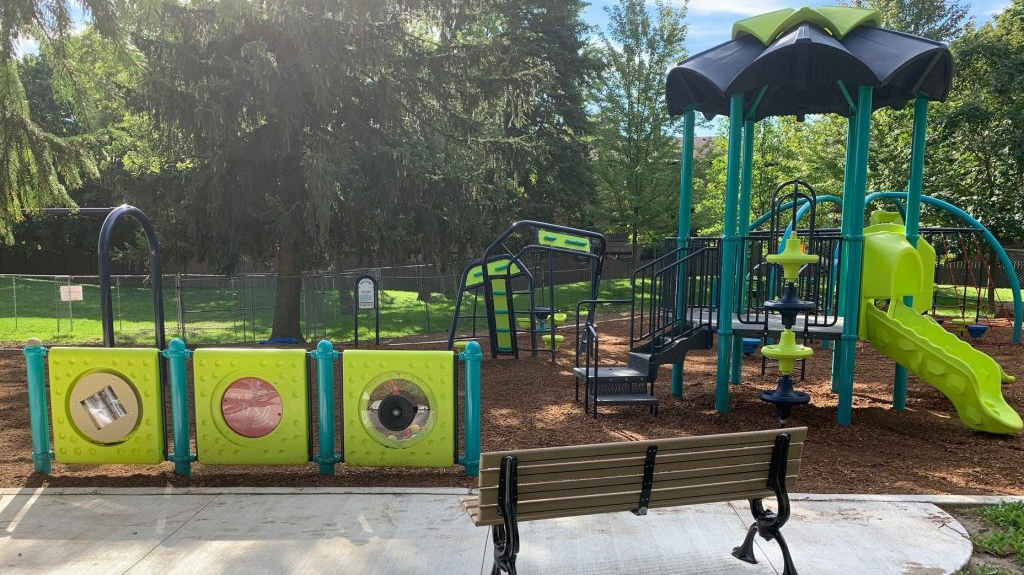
(506, 535)
(745, 552)
(767, 524)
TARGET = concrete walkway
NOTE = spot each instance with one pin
(423, 531)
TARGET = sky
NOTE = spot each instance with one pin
(711, 21)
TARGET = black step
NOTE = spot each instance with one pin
(616, 374)
(624, 399)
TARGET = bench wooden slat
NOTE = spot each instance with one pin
(718, 492)
(613, 450)
(620, 483)
(475, 515)
(612, 467)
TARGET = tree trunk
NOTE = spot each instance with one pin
(287, 306)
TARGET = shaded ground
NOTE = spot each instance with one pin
(529, 403)
(997, 536)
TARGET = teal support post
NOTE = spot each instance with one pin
(912, 220)
(855, 251)
(848, 181)
(471, 358)
(39, 415)
(746, 180)
(325, 356)
(683, 224)
(176, 354)
(729, 244)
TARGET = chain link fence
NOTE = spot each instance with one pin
(240, 309)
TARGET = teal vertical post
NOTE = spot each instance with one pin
(176, 354)
(912, 221)
(471, 357)
(746, 181)
(39, 415)
(727, 284)
(855, 250)
(851, 159)
(683, 225)
(325, 355)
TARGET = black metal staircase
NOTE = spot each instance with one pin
(671, 311)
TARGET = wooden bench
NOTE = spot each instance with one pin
(571, 481)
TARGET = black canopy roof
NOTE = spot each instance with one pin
(801, 70)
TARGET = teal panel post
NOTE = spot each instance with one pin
(325, 356)
(39, 415)
(176, 354)
(471, 357)
(855, 252)
(851, 159)
(746, 179)
(912, 219)
(683, 225)
(729, 240)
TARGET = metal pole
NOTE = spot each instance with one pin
(14, 295)
(176, 354)
(471, 357)
(325, 356)
(729, 239)
(851, 159)
(39, 416)
(683, 225)
(912, 222)
(746, 177)
(71, 310)
(855, 250)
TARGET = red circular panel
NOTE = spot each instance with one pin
(251, 407)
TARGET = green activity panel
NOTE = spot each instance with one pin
(251, 406)
(107, 405)
(498, 267)
(564, 241)
(399, 408)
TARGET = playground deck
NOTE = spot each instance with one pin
(752, 325)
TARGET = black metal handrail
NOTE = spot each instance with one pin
(673, 296)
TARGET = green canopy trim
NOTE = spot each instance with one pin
(836, 20)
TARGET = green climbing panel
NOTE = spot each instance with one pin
(500, 267)
(502, 314)
(563, 241)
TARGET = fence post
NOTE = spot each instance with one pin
(14, 295)
(176, 353)
(325, 355)
(39, 416)
(471, 357)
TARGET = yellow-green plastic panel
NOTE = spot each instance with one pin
(564, 241)
(140, 368)
(433, 372)
(496, 268)
(837, 20)
(968, 377)
(285, 369)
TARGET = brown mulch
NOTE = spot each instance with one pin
(529, 403)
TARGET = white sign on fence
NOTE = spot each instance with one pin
(71, 293)
(367, 295)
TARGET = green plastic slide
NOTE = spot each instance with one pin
(968, 377)
(894, 270)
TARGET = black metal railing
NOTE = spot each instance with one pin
(674, 293)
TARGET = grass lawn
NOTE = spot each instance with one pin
(227, 314)
(998, 535)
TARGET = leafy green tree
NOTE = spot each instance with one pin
(39, 167)
(635, 147)
(941, 20)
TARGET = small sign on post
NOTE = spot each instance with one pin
(71, 293)
(367, 298)
(366, 291)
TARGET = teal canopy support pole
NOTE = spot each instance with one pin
(39, 415)
(912, 220)
(727, 283)
(683, 225)
(471, 358)
(855, 253)
(176, 354)
(746, 179)
(325, 356)
(848, 180)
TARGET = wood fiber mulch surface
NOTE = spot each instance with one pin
(529, 403)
